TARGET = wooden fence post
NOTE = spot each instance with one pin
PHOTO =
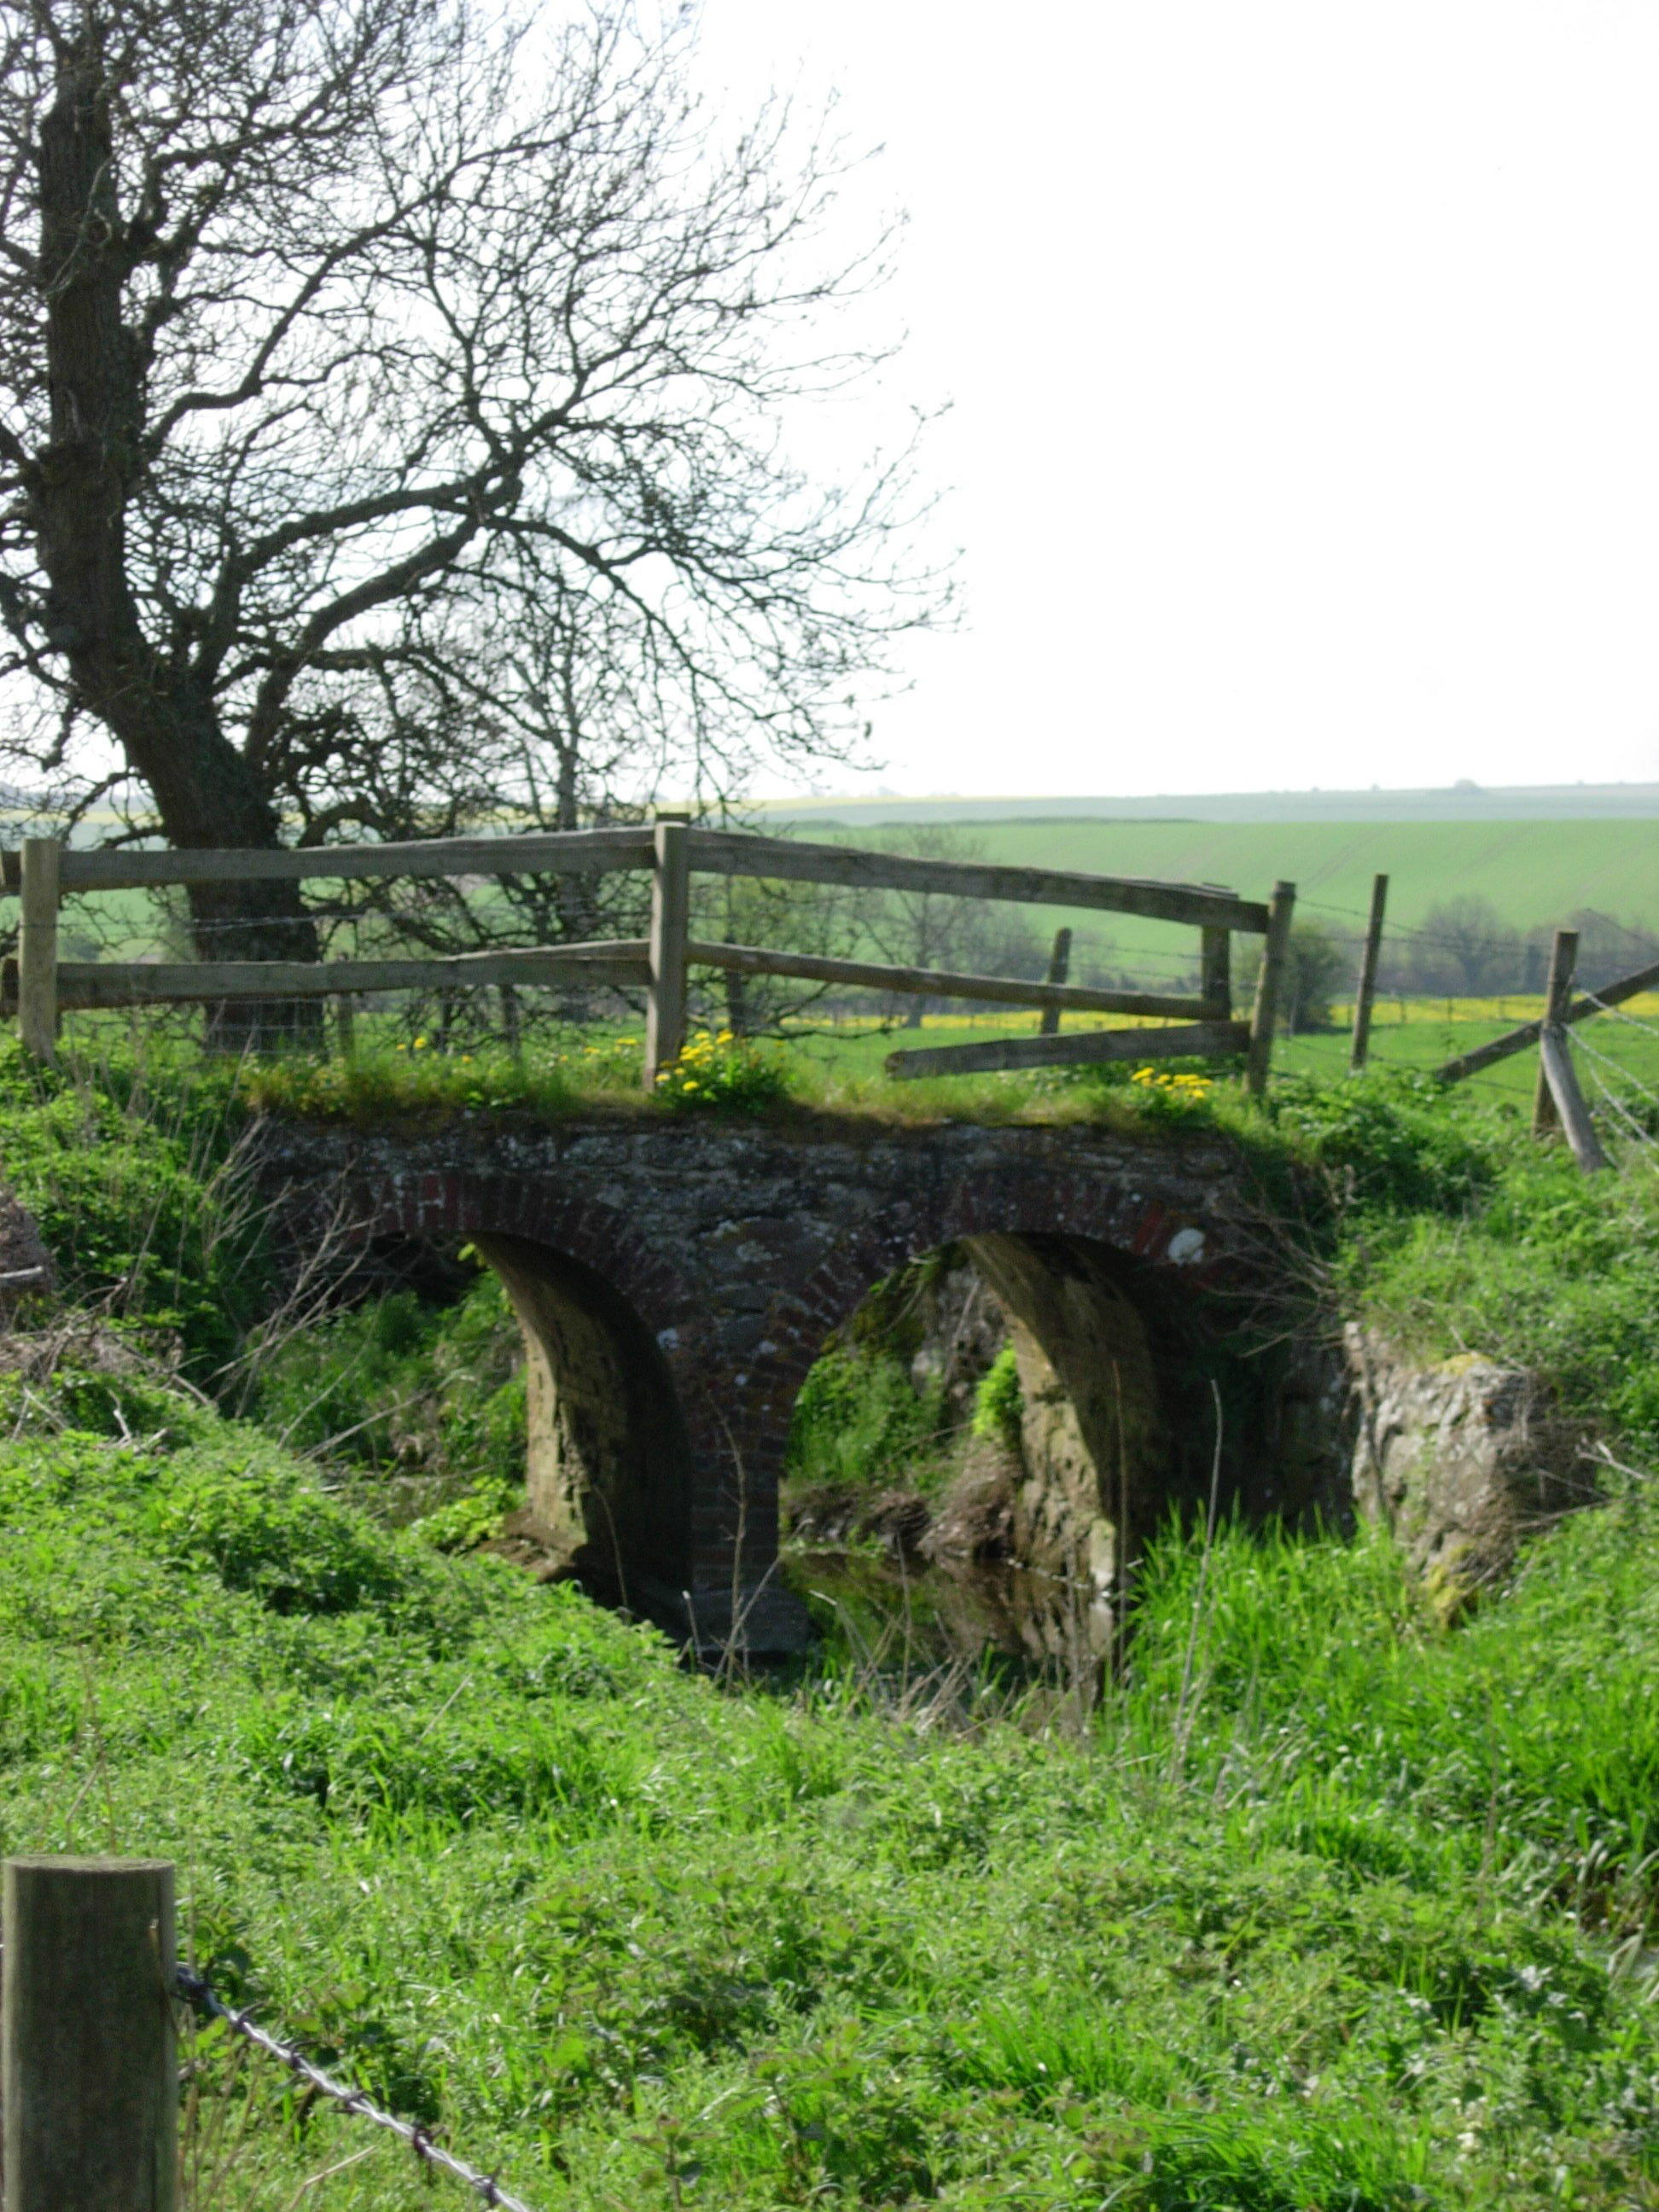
(1368, 963)
(1216, 971)
(1564, 958)
(671, 925)
(1060, 967)
(1555, 1062)
(37, 948)
(87, 2065)
(1280, 908)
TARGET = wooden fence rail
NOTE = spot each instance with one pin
(557, 852)
(39, 986)
(85, 985)
(1523, 1038)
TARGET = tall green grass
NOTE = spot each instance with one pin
(1375, 1939)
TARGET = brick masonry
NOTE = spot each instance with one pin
(739, 1247)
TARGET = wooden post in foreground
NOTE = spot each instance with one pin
(1368, 962)
(87, 2065)
(671, 925)
(1280, 908)
(37, 948)
(1564, 958)
(1060, 967)
(1215, 969)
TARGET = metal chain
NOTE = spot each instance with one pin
(196, 1991)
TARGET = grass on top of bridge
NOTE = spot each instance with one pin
(840, 1067)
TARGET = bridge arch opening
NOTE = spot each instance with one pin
(608, 1479)
(1119, 1362)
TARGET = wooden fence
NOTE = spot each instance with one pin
(1557, 1101)
(41, 986)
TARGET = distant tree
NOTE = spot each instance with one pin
(1607, 949)
(392, 431)
(1316, 968)
(1462, 948)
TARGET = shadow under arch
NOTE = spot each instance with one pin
(609, 1472)
(622, 1472)
(1116, 1358)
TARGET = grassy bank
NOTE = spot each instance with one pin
(1353, 1918)
(1319, 1907)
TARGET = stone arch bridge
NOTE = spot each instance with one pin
(674, 1279)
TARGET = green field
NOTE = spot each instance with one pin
(1529, 871)
(1533, 874)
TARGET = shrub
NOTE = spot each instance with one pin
(1393, 1142)
(142, 1199)
(262, 1528)
(1000, 1403)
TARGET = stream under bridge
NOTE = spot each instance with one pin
(675, 1277)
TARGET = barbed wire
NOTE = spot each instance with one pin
(198, 1993)
(1618, 1066)
(1618, 1014)
(1633, 1128)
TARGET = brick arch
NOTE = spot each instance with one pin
(512, 1221)
(1099, 1235)
(586, 1228)
(1102, 1213)
(737, 1248)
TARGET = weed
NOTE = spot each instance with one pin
(999, 1402)
(719, 1070)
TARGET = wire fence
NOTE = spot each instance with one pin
(196, 1991)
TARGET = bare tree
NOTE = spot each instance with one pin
(393, 392)
(933, 929)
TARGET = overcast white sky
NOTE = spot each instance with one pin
(1305, 371)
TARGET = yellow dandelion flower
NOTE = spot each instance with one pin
(688, 1086)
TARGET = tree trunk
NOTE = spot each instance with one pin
(162, 712)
